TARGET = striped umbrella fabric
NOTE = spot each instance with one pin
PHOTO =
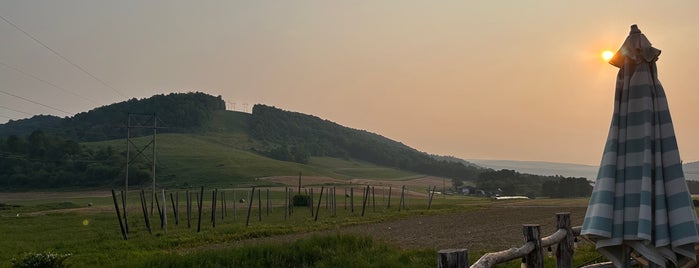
(640, 200)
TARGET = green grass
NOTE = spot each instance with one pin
(316, 251)
(91, 234)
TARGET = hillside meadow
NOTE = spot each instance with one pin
(405, 236)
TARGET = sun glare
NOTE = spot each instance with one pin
(607, 55)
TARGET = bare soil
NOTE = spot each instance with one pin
(487, 229)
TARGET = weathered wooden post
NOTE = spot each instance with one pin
(401, 203)
(268, 202)
(164, 210)
(352, 199)
(565, 248)
(213, 207)
(286, 202)
(223, 205)
(174, 208)
(259, 205)
(116, 207)
(388, 205)
(365, 200)
(200, 201)
(320, 199)
(144, 206)
(235, 207)
(535, 259)
(252, 194)
(452, 258)
(189, 208)
(430, 194)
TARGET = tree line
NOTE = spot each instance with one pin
(42, 160)
(176, 112)
(510, 182)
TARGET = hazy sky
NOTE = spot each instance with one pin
(518, 80)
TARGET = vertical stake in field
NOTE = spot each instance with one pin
(174, 208)
(388, 205)
(116, 207)
(247, 219)
(200, 201)
(123, 204)
(235, 207)
(164, 212)
(144, 207)
(268, 202)
(213, 207)
(402, 198)
(352, 199)
(259, 205)
(320, 199)
(188, 197)
(366, 198)
(286, 202)
(223, 205)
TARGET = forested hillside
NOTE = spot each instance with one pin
(42, 160)
(297, 136)
(176, 112)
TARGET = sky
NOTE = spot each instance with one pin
(509, 80)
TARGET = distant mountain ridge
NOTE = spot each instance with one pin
(541, 168)
(691, 170)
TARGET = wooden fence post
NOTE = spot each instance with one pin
(213, 207)
(252, 195)
(564, 249)
(200, 200)
(452, 258)
(116, 207)
(532, 233)
(164, 224)
(388, 205)
(259, 205)
(320, 199)
(174, 208)
(144, 206)
(188, 197)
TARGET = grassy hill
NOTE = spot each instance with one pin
(223, 154)
(202, 144)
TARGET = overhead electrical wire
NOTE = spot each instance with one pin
(47, 106)
(14, 110)
(47, 82)
(62, 57)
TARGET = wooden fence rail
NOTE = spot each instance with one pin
(531, 252)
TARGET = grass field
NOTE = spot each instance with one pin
(62, 222)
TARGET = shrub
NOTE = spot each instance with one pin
(301, 200)
(46, 259)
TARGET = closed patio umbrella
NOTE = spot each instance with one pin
(640, 201)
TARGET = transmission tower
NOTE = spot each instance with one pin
(141, 121)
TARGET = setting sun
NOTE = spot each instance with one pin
(607, 55)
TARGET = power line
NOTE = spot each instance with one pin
(46, 82)
(61, 56)
(14, 110)
(50, 107)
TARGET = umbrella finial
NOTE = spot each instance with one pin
(634, 29)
